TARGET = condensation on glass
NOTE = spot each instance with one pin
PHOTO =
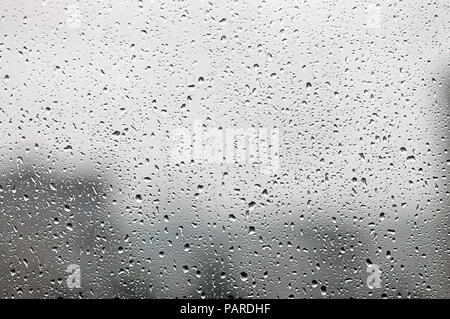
(220, 149)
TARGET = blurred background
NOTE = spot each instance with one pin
(91, 92)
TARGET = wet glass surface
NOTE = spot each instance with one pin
(220, 149)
